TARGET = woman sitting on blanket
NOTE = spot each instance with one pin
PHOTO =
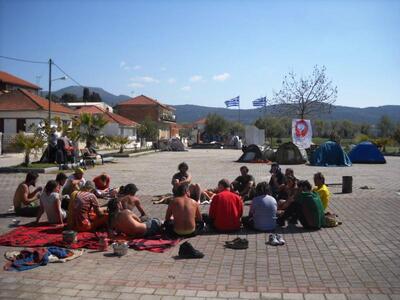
(84, 212)
(125, 221)
(50, 203)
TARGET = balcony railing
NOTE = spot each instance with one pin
(168, 117)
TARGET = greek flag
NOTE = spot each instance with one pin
(260, 102)
(232, 102)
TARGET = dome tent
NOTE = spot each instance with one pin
(250, 153)
(289, 154)
(366, 153)
(330, 154)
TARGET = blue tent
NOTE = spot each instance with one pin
(330, 154)
(366, 153)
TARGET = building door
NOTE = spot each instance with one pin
(21, 125)
(2, 125)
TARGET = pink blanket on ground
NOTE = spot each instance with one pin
(43, 234)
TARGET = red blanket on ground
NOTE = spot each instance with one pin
(42, 235)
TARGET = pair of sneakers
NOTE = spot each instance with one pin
(276, 239)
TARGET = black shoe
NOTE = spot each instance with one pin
(186, 250)
(237, 243)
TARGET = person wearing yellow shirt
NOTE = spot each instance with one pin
(321, 189)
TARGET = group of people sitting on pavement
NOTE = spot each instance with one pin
(74, 201)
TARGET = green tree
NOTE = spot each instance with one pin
(91, 126)
(86, 94)
(148, 129)
(396, 134)
(95, 97)
(54, 97)
(120, 141)
(216, 125)
(236, 128)
(385, 126)
(68, 97)
(306, 96)
(273, 128)
(29, 143)
(318, 128)
(346, 129)
(365, 128)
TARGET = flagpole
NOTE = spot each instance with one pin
(239, 109)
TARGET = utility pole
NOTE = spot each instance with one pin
(50, 63)
(49, 120)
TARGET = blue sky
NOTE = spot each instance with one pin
(206, 52)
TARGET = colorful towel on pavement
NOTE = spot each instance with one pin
(43, 234)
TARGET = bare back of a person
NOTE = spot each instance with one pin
(126, 223)
(184, 212)
(18, 200)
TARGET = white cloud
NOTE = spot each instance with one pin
(171, 80)
(137, 67)
(186, 88)
(195, 78)
(136, 85)
(221, 77)
(149, 79)
(123, 65)
(145, 79)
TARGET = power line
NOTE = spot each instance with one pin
(65, 73)
(41, 62)
(24, 60)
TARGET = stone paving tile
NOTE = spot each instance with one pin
(186, 293)
(172, 298)
(378, 297)
(108, 295)
(67, 292)
(128, 296)
(294, 296)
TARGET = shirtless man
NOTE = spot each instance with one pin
(74, 182)
(183, 215)
(24, 200)
(182, 177)
(125, 221)
(129, 200)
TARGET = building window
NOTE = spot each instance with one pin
(21, 125)
(2, 125)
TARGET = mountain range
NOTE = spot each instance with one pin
(190, 113)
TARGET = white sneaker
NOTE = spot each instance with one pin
(281, 241)
(272, 240)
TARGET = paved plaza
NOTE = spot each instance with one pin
(359, 259)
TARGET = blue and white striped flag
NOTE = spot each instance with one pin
(232, 102)
(260, 102)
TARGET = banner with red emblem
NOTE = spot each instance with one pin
(301, 133)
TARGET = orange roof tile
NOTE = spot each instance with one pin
(109, 116)
(20, 99)
(8, 78)
(201, 121)
(144, 100)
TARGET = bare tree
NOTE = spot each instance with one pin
(306, 96)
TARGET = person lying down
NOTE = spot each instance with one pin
(125, 221)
